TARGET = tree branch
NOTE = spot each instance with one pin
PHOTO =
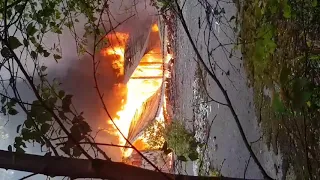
(34, 89)
(94, 69)
(99, 144)
(84, 168)
(224, 92)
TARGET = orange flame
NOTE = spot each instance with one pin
(117, 43)
(155, 28)
(144, 82)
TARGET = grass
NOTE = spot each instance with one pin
(280, 46)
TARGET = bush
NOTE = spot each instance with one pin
(173, 137)
(181, 141)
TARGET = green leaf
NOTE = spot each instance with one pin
(10, 148)
(182, 158)
(301, 98)
(46, 53)
(33, 55)
(40, 48)
(58, 15)
(287, 11)
(299, 84)
(12, 111)
(28, 123)
(193, 156)
(20, 150)
(306, 96)
(3, 99)
(13, 102)
(284, 75)
(18, 128)
(84, 127)
(66, 102)
(25, 42)
(309, 43)
(56, 57)
(45, 128)
(61, 94)
(9, 13)
(43, 68)
(277, 104)
(19, 8)
(44, 117)
(31, 30)
(4, 110)
(57, 30)
(18, 141)
(76, 152)
(76, 133)
(314, 3)
(52, 101)
(5, 52)
(222, 11)
(14, 43)
(26, 134)
(36, 109)
(77, 119)
(232, 18)
(308, 104)
(24, 144)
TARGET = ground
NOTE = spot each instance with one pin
(226, 150)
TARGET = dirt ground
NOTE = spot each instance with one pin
(227, 152)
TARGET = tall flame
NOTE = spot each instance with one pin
(144, 82)
(117, 43)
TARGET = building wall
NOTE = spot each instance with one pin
(136, 48)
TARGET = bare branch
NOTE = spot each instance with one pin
(224, 92)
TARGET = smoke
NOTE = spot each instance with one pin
(78, 79)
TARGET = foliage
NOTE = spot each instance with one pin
(175, 138)
(155, 134)
(280, 45)
(181, 141)
(162, 5)
(51, 119)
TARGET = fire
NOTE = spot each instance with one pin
(140, 88)
(144, 82)
(155, 28)
(117, 45)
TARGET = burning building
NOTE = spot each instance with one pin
(138, 58)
